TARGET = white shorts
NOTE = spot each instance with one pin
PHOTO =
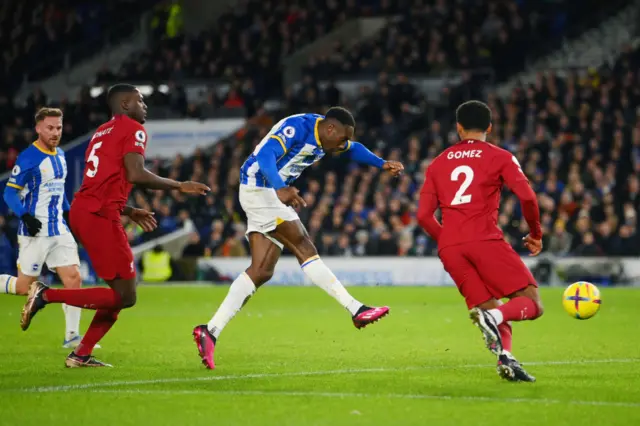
(60, 250)
(264, 211)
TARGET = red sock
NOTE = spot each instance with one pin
(505, 335)
(519, 309)
(100, 325)
(87, 298)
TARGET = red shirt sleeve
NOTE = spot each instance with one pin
(515, 179)
(135, 140)
(427, 207)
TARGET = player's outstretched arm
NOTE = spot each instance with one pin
(137, 174)
(361, 154)
(427, 207)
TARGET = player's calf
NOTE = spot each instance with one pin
(523, 305)
(319, 274)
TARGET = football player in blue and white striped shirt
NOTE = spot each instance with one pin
(292, 145)
(35, 193)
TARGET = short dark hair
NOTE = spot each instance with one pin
(342, 115)
(474, 115)
(119, 88)
(47, 112)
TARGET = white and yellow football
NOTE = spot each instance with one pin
(581, 300)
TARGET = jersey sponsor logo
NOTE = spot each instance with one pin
(16, 170)
(474, 153)
(55, 186)
(296, 169)
(289, 131)
(141, 138)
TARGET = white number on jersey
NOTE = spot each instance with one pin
(461, 197)
(94, 160)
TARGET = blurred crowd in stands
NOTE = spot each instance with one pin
(576, 133)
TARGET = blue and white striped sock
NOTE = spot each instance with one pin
(8, 284)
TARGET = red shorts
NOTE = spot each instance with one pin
(485, 270)
(106, 243)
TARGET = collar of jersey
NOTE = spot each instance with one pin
(316, 134)
(44, 151)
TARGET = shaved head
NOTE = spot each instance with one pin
(126, 99)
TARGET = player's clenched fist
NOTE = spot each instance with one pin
(194, 188)
(289, 196)
(534, 246)
(394, 167)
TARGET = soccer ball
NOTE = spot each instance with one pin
(581, 300)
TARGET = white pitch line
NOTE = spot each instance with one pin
(67, 388)
(342, 395)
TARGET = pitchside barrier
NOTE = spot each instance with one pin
(428, 271)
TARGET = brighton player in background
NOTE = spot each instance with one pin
(269, 200)
(114, 162)
(35, 193)
(465, 181)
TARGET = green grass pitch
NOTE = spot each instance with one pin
(292, 357)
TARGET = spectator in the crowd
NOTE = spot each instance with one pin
(195, 247)
(560, 240)
(588, 247)
(576, 134)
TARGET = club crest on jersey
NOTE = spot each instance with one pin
(141, 138)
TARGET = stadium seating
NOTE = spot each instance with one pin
(576, 134)
(583, 165)
(38, 35)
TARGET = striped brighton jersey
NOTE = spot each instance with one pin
(40, 177)
(298, 135)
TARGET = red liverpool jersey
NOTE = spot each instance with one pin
(105, 188)
(465, 181)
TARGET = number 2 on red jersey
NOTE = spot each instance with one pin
(461, 197)
(467, 172)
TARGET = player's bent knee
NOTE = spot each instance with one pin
(128, 299)
(540, 308)
(70, 276)
(259, 275)
(73, 281)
